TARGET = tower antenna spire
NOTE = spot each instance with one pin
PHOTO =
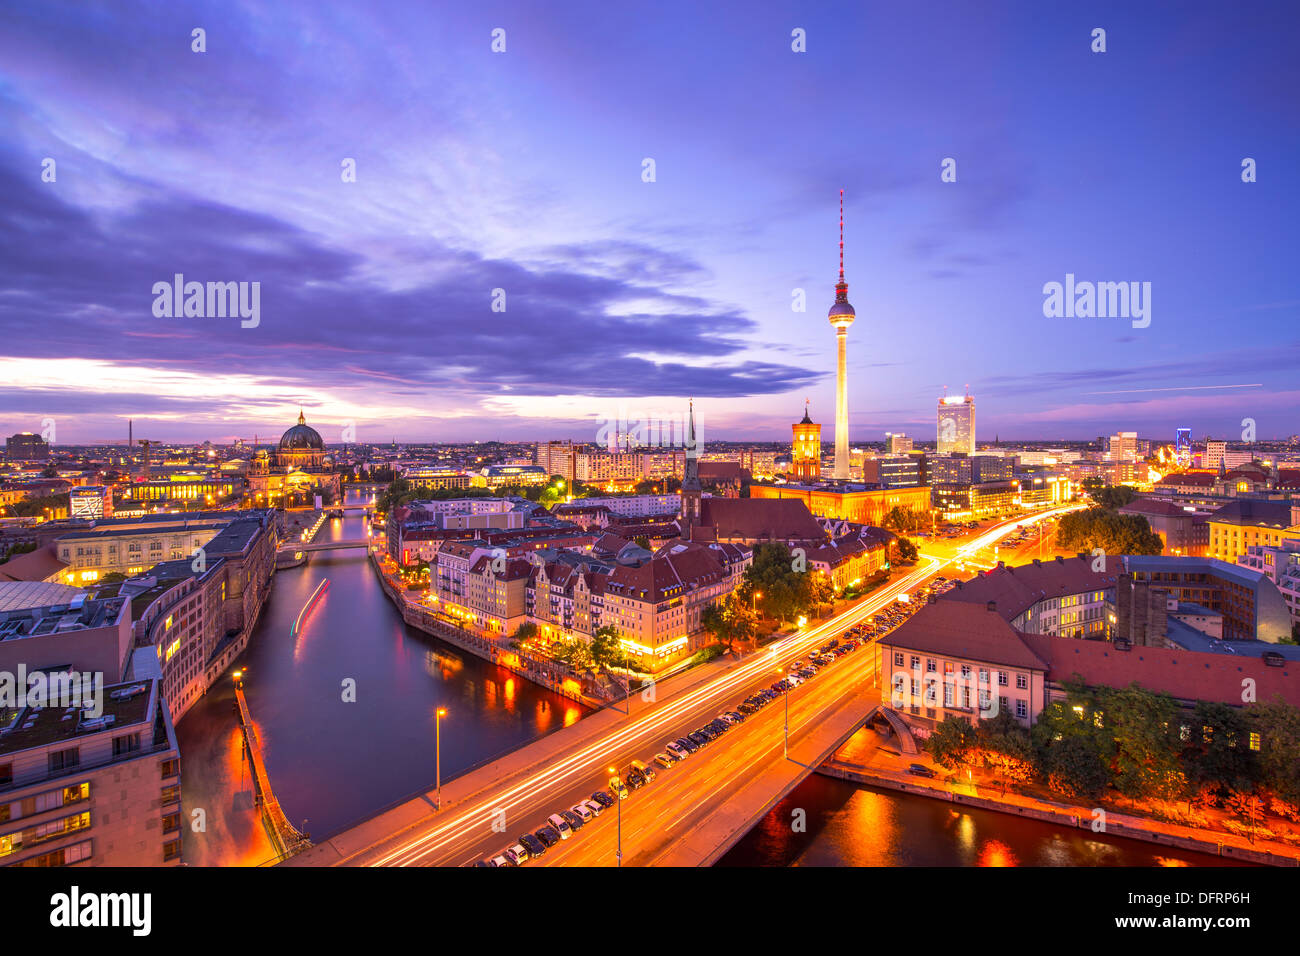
(841, 235)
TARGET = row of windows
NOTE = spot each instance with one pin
(949, 667)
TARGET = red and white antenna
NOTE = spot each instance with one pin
(841, 235)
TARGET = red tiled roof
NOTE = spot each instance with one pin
(33, 566)
(1187, 675)
(761, 519)
(1015, 589)
(968, 631)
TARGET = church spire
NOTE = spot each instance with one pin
(302, 419)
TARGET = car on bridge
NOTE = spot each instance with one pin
(518, 854)
(548, 835)
(534, 846)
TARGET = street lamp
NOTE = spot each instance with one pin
(618, 798)
(757, 595)
(785, 749)
(437, 734)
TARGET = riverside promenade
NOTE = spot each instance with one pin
(864, 761)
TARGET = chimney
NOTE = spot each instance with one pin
(993, 605)
(1060, 560)
(1037, 562)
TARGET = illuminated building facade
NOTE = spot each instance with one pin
(806, 453)
(956, 425)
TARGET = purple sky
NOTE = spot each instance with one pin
(522, 171)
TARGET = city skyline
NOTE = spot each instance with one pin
(516, 173)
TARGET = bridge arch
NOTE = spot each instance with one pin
(906, 742)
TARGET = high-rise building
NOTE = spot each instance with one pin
(956, 425)
(841, 316)
(806, 452)
(897, 443)
(1214, 453)
(1123, 446)
(1183, 446)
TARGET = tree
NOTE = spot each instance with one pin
(1074, 767)
(1218, 755)
(907, 551)
(1006, 747)
(953, 743)
(1144, 726)
(1278, 725)
(899, 518)
(785, 592)
(1085, 531)
(641, 541)
(730, 620)
(605, 648)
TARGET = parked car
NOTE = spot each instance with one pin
(484, 863)
(518, 854)
(664, 761)
(603, 799)
(747, 708)
(689, 745)
(573, 819)
(591, 805)
(920, 770)
(583, 812)
(699, 739)
(677, 750)
(535, 846)
(548, 835)
(634, 779)
(502, 860)
(728, 718)
(736, 717)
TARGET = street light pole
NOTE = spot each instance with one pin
(437, 733)
(618, 798)
(785, 748)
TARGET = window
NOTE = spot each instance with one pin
(898, 659)
(1022, 709)
(171, 768)
(1254, 740)
(1022, 682)
(1002, 678)
(126, 744)
(60, 760)
(931, 665)
(171, 850)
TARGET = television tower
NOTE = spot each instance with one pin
(841, 316)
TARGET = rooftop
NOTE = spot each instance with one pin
(34, 726)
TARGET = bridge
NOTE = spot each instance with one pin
(284, 835)
(692, 813)
(339, 545)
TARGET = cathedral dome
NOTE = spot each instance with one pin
(301, 437)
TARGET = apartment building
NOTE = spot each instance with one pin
(1064, 597)
(1248, 522)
